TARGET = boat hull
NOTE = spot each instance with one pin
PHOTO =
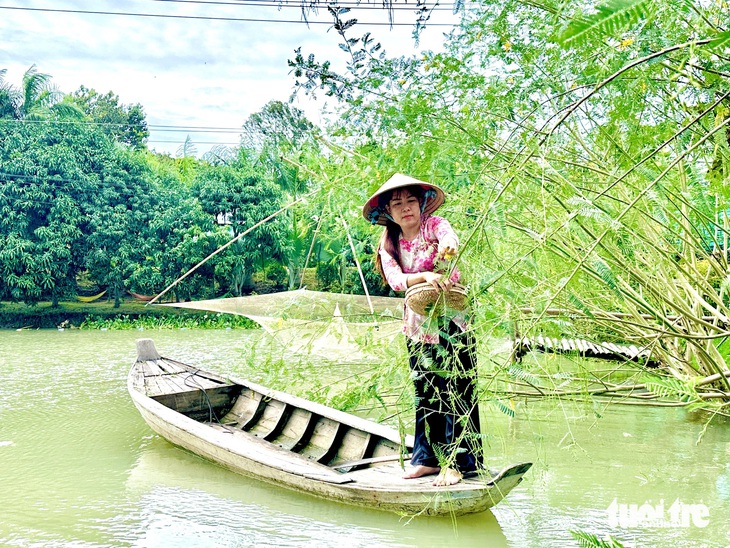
(376, 485)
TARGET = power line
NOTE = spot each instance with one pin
(54, 179)
(242, 3)
(207, 130)
(447, 6)
(195, 128)
(151, 127)
(210, 18)
(194, 142)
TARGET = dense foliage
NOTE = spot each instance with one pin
(584, 149)
(585, 152)
(84, 202)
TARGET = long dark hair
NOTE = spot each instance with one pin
(391, 234)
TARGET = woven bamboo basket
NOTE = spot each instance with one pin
(424, 299)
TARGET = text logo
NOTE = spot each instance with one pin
(679, 514)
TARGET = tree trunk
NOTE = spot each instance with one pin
(247, 284)
(295, 275)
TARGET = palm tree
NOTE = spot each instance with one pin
(9, 98)
(41, 99)
(36, 99)
(187, 149)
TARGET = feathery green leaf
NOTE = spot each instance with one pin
(580, 305)
(589, 540)
(504, 408)
(673, 388)
(721, 41)
(610, 19)
(606, 274)
(518, 372)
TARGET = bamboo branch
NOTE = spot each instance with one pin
(712, 378)
(226, 245)
(572, 108)
(311, 248)
(357, 264)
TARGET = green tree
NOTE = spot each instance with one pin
(118, 214)
(240, 196)
(280, 138)
(179, 236)
(8, 98)
(47, 176)
(278, 131)
(39, 99)
(125, 123)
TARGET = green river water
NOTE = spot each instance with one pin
(80, 468)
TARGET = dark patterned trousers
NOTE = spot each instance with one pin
(447, 413)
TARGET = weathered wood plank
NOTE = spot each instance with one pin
(284, 459)
(371, 460)
(324, 440)
(353, 445)
(210, 404)
(602, 350)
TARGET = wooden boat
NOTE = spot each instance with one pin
(296, 443)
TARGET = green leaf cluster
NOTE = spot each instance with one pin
(585, 152)
(83, 200)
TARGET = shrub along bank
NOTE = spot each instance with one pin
(98, 315)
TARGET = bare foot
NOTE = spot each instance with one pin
(448, 476)
(420, 471)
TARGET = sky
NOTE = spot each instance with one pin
(191, 69)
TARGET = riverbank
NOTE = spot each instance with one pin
(102, 314)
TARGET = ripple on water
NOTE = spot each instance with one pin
(182, 517)
(80, 467)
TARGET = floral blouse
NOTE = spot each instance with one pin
(419, 255)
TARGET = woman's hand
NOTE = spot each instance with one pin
(439, 281)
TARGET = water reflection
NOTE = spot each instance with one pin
(631, 455)
(167, 481)
(80, 468)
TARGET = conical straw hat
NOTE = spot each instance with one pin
(373, 210)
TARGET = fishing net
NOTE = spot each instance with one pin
(332, 325)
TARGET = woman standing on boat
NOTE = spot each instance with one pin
(442, 350)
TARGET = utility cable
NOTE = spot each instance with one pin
(438, 6)
(210, 18)
(155, 127)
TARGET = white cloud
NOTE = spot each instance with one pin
(184, 72)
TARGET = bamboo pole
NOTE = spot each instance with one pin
(226, 245)
(357, 264)
(311, 248)
(607, 315)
